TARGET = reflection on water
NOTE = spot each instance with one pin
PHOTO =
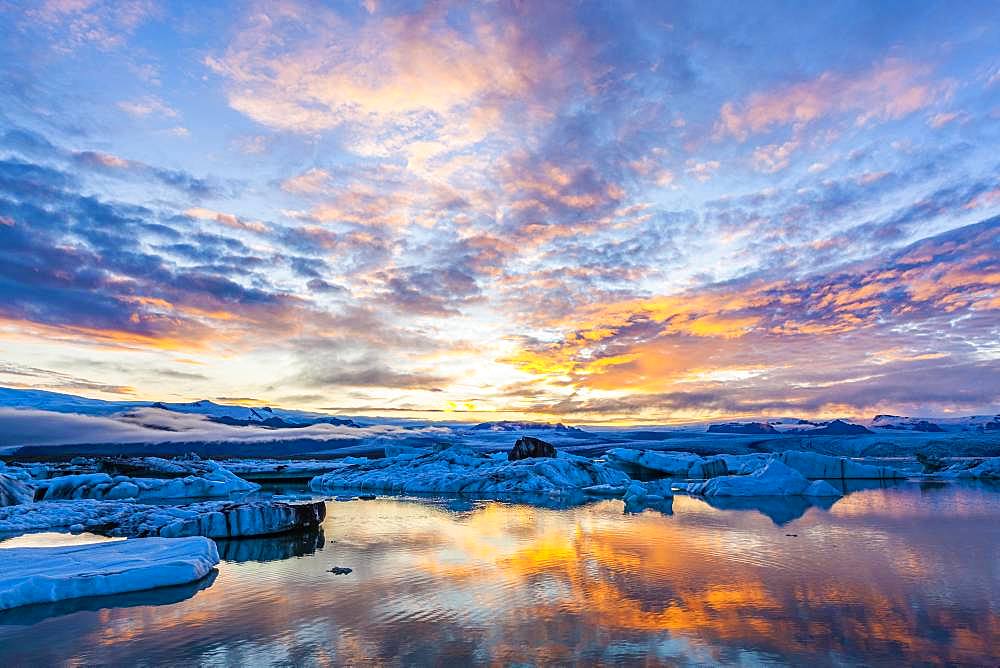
(32, 614)
(892, 576)
(780, 510)
(271, 548)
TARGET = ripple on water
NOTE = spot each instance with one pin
(884, 577)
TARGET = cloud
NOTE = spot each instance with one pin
(774, 157)
(77, 23)
(400, 81)
(19, 375)
(890, 89)
(80, 267)
(34, 146)
(227, 219)
(26, 427)
(149, 105)
(363, 362)
(661, 352)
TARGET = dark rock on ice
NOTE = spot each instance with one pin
(529, 446)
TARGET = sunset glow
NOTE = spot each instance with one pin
(586, 212)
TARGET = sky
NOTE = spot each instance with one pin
(618, 213)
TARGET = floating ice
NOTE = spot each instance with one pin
(816, 467)
(214, 519)
(211, 481)
(460, 470)
(981, 469)
(47, 574)
(775, 479)
(675, 464)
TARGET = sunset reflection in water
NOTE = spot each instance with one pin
(884, 576)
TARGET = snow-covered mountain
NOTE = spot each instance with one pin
(935, 425)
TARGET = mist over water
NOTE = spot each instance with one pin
(886, 576)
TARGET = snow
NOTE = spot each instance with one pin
(214, 519)
(13, 491)
(775, 479)
(215, 481)
(461, 470)
(816, 466)
(31, 575)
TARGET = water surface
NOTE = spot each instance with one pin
(904, 575)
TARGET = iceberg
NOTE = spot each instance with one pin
(775, 479)
(674, 464)
(214, 519)
(977, 469)
(458, 470)
(30, 575)
(826, 467)
(745, 464)
(14, 492)
(656, 495)
(211, 481)
(223, 519)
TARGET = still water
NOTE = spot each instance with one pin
(904, 575)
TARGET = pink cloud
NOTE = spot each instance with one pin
(890, 90)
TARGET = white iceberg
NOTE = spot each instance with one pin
(212, 481)
(462, 471)
(675, 464)
(745, 464)
(826, 467)
(31, 575)
(656, 495)
(223, 519)
(775, 479)
(214, 519)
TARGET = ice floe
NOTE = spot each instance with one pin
(775, 479)
(975, 469)
(31, 575)
(463, 471)
(211, 481)
(826, 467)
(214, 519)
(675, 464)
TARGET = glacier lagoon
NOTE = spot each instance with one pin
(895, 573)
